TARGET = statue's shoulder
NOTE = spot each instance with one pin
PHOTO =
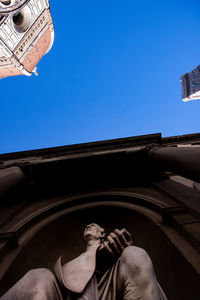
(75, 274)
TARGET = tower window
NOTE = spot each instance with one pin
(18, 18)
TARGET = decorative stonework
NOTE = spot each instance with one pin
(19, 41)
(37, 51)
(31, 38)
(13, 6)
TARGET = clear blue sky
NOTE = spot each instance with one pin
(114, 71)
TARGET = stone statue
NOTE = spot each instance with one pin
(110, 269)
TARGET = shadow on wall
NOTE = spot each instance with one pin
(64, 236)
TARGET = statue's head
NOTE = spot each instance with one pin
(94, 232)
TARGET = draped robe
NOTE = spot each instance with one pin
(80, 279)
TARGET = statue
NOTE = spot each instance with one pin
(111, 268)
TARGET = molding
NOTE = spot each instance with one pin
(123, 145)
(23, 70)
(9, 241)
(74, 201)
(186, 138)
(7, 9)
(179, 217)
(52, 38)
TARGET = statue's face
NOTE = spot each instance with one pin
(93, 232)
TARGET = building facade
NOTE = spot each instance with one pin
(26, 35)
(148, 184)
(191, 85)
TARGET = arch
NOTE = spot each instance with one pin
(148, 205)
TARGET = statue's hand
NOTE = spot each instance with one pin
(117, 241)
